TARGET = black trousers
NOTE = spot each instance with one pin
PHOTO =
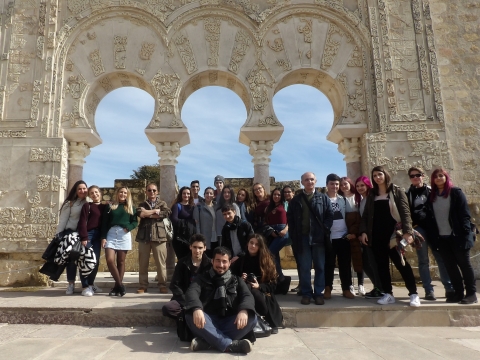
(382, 253)
(340, 250)
(457, 262)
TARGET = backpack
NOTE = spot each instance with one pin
(183, 331)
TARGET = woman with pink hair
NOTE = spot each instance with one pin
(363, 187)
(453, 233)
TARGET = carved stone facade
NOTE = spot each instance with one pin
(402, 77)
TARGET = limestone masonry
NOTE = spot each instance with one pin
(402, 77)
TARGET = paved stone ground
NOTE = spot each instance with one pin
(52, 342)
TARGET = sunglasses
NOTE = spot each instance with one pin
(415, 176)
(152, 190)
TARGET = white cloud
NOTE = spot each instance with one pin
(214, 117)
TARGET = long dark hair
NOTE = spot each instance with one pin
(179, 196)
(388, 180)
(265, 259)
(247, 201)
(272, 205)
(222, 202)
(446, 188)
(72, 195)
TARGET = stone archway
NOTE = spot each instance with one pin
(375, 60)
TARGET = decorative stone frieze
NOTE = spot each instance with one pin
(168, 153)
(77, 152)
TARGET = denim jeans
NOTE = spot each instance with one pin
(305, 256)
(278, 244)
(220, 331)
(370, 267)
(424, 265)
(94, 243)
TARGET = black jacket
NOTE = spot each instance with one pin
(181, 276)
(321, 205)
(459, 219)
(200, 296)
(244, 232)
(421, 213)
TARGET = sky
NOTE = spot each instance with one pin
(214, 116)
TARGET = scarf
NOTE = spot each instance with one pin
(220, 296)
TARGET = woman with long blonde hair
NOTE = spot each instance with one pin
(257, 268)
(119, 219)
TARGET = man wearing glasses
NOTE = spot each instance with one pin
(417, 195)
(151, 237)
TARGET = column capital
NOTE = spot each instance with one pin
(261, 151)
(350, 147)
(77, 152)
(168, 152)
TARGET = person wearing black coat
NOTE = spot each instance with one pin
(186, 270)
(220, 310)
(452, 229)
(257, 268)
(235, 233)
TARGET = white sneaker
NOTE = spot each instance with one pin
(70, 289)
(361, 290)
(352, 290)
(96, 289)
(386, 299)
(87, 291)
(414, 300)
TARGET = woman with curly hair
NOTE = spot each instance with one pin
(453, 234)
(118, 220)
(257, 269)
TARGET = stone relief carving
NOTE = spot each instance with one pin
(106, 84)
(35, 200)
(13, 133)
(69, 65)
(356, 59)
(240, 48)
(77, 152)
(34, 111)
(120, 51)
(376, 51)
(29, 231)
(332, 46)
(259, 78)
(53, 154)
(212, 77)
(268, 121)
(424, 135)
(146, 51)
(166, 87)
(306, 29)
(212, 37)
(435, 74)
(350, 147)
(42, 215)
(186, 54)
(76, 85)
(12, 215)
(92, 105)
(96, 62)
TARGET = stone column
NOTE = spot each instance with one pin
(77, 152)
(350, 147)
(261, 151)
(168, 153)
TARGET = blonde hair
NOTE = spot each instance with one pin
(128, 206)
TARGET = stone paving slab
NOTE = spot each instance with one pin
(36, 342)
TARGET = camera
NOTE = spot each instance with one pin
(404, 243)
(251, 278)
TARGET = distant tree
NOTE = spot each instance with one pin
(151, 173)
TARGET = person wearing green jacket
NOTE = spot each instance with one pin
(119, 219)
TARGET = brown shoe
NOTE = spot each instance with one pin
(305, 300)
(327, 294)
(319, 300)
(348, 294)
(163, 290)
(142, 290)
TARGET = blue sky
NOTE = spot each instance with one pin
(214, 116)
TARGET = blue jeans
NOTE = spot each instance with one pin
(93, 242)
(278, 244)
(221, 331)
(306, 255)
(424, 265)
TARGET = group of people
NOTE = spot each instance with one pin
(228, 245)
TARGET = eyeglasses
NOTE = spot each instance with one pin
(258, 189)
(415, 176)
(152, 190)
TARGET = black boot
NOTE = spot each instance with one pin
(121, 290)
(113, 291)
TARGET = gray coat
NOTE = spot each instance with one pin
(205, 222)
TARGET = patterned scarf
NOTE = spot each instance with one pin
(220, 296)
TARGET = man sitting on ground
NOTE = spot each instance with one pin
(187, 269)
(220, 310)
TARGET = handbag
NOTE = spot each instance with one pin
(262, 328)
(168, 228)
(326, 231)
(76, 251)
(183, 331)
(52, 247)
